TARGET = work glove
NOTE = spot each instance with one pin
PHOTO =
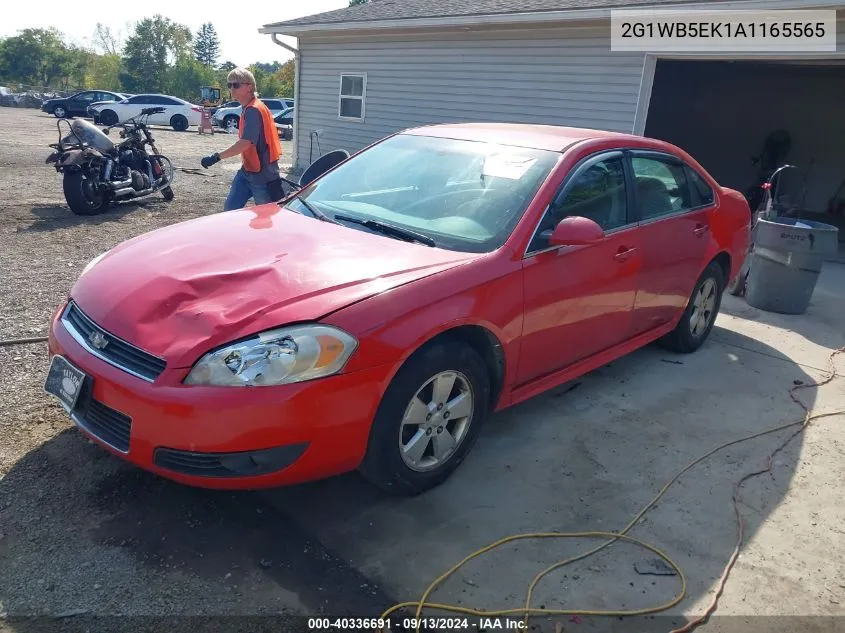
(208, 161)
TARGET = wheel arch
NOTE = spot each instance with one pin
(482, 340)
(723, 259)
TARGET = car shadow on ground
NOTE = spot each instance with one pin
(585, 458)
(51, 218)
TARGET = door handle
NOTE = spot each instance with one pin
(624, 253)
(700, 229)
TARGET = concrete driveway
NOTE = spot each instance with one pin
(591, 455)
(587, 457)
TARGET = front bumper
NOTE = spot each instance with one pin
(223, 437)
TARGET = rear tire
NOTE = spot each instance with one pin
(82, 196)
(167, 192)
(700, 315)
(454, 427)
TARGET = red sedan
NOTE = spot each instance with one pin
(377, 317)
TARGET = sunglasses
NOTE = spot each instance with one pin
(235, 84)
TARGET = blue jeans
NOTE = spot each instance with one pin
(242, 190)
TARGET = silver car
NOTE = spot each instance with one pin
(228, 118)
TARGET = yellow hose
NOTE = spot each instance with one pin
(527, 611)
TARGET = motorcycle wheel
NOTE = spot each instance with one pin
(167, 192)
(82, 196)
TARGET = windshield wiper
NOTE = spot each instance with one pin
(389, 229)
(314, 211)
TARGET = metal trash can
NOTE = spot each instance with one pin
(786, 262)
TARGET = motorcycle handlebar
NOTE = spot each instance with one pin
(135, 121)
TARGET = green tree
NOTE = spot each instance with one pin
(76, 66)
(154, 45)
(104, 73)
(286, 76)
(267, 84)
(268, 68)
(186, 76)
(35, 56)
(207, 45)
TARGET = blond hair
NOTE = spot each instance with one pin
(244, 76)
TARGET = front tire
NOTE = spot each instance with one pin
(108, 117)
(167, 192)
(179, 123)
(230, 123)
(59, 112)
(82, 195)
(700, 315)
(428, 420)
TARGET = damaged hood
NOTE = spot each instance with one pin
(178, 291)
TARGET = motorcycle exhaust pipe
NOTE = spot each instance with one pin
(120, 186)
(130, 190)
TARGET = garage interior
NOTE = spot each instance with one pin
(722, 112)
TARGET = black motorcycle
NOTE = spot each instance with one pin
(98, 171)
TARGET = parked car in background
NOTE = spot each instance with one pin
(78, 104)
(178, 113)
(229, 118)
(386, 309)
(284, 124)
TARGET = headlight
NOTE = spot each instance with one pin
(276, 357)
(92, 263)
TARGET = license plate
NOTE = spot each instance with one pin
(65, 382)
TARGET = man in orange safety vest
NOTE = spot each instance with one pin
(258, 146)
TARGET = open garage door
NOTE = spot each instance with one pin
(723, 112)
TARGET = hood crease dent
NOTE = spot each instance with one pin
(179, 291)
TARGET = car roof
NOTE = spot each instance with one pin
(548, 137)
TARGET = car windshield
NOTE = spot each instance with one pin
(464, 195)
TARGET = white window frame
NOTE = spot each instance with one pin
(341, 97)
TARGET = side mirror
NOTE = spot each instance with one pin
(576, 231)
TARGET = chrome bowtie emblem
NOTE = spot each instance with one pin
(97, 340)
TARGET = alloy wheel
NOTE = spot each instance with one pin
(703, 307)
(436, 421)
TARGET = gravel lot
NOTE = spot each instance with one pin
(78, 529)
(83, 534)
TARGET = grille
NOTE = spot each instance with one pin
(117, 352)
(109, 425)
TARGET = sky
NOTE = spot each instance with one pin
(236, 25)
